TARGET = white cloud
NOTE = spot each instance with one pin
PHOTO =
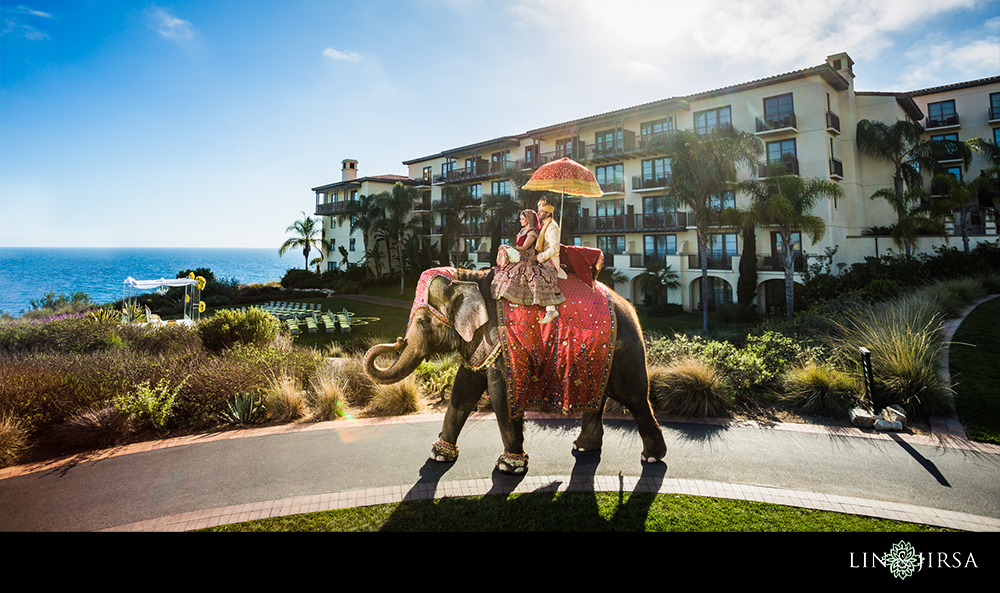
(34, 12)
(348, 56)
(171, 27)
(934, 55)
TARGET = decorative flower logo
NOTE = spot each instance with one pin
(902, 560)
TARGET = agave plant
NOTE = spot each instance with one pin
(245, 408)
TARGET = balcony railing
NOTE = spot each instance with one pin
(650, 142)
(832, 121)
(715, 262)
(657, 221)
(836, 168)
(791, 166)
(334, 207)
(422, 204)
(650, 181)
(942, 121)
(616, 186)
(482, 170)
(641, 260)
(776, 121)
(767, 262)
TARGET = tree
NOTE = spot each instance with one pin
(704, 166)
(785, 201)
(658, 278)
(396, 207)
(902, 145)
(306, 238)
(363, 214)
(745, 221)
(451, 210)
(914, 215)
(959, 194)
(499, 211)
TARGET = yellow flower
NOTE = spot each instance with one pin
(201, 282)
(201, 306)
(191, 276)
(187, 298)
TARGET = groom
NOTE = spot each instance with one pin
(548, 248)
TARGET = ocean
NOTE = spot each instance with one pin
(29, 273)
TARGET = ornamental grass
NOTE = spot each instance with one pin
(821, 388)
(689, 386)
(396, 399)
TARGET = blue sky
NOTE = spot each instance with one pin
(206, 123)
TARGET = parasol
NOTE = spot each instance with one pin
(567, 177)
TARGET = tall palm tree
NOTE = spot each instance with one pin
(657, 278)
(703, 166)
(914, 215)
(902, 145)
(396, 207)
(362, 214)
(451, 210)
(959, 194)
(307, 237)
(785, 201)
(498, 211)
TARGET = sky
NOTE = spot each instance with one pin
(206, 123)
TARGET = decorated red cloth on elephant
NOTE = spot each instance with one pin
(561, 366)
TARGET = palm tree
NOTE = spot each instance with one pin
(745, 221)
(657, 278)
(914, 215)
(785, 201)
(451, 209)
(703, 166)
(902, 145)
(396, 207)
(306, 236)
(960, 194)
(498, 211)
(362, 214)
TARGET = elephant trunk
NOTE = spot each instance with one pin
(408, 361)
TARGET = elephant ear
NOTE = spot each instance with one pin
(463, 304)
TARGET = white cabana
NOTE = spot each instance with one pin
(192, 293)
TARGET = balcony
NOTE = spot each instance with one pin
(716, 261)
(472, 229)
(941, 121)
(613, 187)
(631, 223)
(482, 170)
(649, 144)
(791, 167)
(774, 122)
(641, 260)
(767, 262)
(836, 169)
(641, 182)
(333, 208)
(422, 204)
(832, 122)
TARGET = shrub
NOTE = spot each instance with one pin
(284, 400)
(13, 439)
(438, 375)
(64, 333)
(230, 327)
(329, 395)
(736, 313)
(821, 388)
(98, 427)
(299, 278)
(691, 387)
(396, 399)
(150, 405)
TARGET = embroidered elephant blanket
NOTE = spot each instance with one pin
(561, 366)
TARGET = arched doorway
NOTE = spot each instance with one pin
(720, 292)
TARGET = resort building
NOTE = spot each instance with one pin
(806, 121)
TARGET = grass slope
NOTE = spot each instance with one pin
(975, 374)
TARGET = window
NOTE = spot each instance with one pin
(331, 266)
(783, 152)
(446, 167)
(655, 172)
(470, 165)
(706, 121)
(471, 246)
(721, 246)
(428, 171)
(652, 205)
(476, 191)
(353, 243)
(778, 112)
(658, 246)
(354, 196)
(947, 153)
(529, 155)
(776, 244)
(941, 114)
(994, 106)
(501, 188)
(610, 245)
(996, 135)
(610, 207)
(564, 148)
(656, 127)
(611, 177)
(608, 141)
(726, 199)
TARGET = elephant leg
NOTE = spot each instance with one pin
(591, 430)
(631, 389)
(465, 394)
(513, 460)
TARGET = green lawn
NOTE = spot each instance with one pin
(577, 511)
(975, 373)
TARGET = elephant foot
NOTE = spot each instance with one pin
(444, 451)
(586, 447)
(511, 463)
(653, 458)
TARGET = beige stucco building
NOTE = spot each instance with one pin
(805, 120)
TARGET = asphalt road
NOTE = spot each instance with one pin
(340, 457)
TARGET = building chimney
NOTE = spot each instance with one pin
(349, 172)
(842, 63)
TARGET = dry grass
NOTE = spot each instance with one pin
(96, 428)
(284, 400)
(13, 439)
(329, 395)
(819, 387)
(396, 399)
(688, 386)
(359, 389)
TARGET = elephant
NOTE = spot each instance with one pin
(462, 317)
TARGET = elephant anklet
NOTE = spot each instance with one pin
(442, 448)
(513, 460)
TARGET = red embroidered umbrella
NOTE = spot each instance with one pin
(567, 177)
